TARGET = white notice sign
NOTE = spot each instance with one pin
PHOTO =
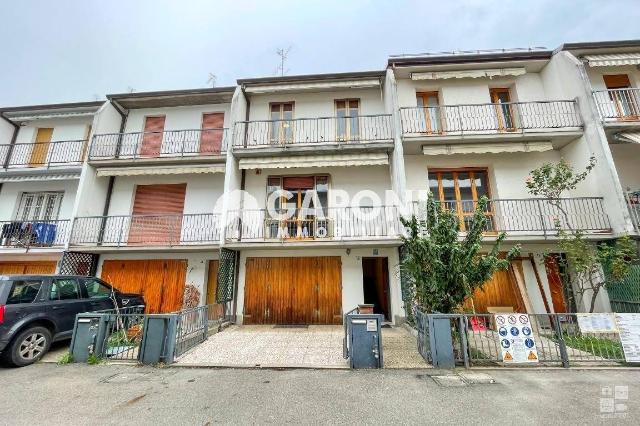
(516, 338)
(629, 328)
(597, 323)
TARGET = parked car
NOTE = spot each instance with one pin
(36, 310)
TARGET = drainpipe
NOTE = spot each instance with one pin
(16, 128)
(123, 122)
(105, 210)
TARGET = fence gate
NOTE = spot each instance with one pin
(78, 263)
(226, 275)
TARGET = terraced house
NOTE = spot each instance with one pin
(279, 199)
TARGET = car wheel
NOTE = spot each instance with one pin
(29, 346)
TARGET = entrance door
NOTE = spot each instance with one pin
(622, 97)
(430, 104)
(152, 136)
(216, 310)
(555, 285)
(281, 123)
(212, 132)
(348, 123)
(161, 282)
(41, 147)
(375, 281)
(501, 98)
(157, 214)
(293, 290)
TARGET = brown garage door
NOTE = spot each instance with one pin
(44, 267)
(293, 290)
(160, 281)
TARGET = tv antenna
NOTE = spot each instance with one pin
(283, 54)
(212, 80)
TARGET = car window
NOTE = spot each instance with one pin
(23, 291)
(64, 289)
(97, 290)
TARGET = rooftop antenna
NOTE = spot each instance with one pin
(130, 89)
(212, 80)
(283, 53)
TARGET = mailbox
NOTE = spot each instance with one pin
(364, 343)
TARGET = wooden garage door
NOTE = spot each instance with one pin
(161, 282)
(44, 267)
(157, 214)
(293, 290)
(501, 291)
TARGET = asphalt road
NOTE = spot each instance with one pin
(116, 394)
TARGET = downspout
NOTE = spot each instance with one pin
(123, 123)
(105, 210)
(16, 128)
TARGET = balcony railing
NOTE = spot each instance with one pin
(313, 131)
(345, 223)
(618, 104)
(633, 202)
(489, 118)
(146, 230)
(42, 154)
(169, 143)
(34, 233)
(533, 216)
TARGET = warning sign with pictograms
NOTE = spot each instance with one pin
(516, 338)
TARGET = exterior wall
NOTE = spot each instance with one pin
(597, 82)
(202, 196)
(66, 129)
(6, 133)
(197, 266)
(626, 158)
(177, 118)
(352, 280)
(318, 104)
(11, 191)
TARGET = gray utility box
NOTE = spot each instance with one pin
(364, 335)
(87, 336)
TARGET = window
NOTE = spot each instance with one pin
(430, 117)
(39, 206)
(64, 289)
(96, 289)
(281, 122)
(347, 125)
(23, 291)
(501, 97)
(624, 99)
(459, 190)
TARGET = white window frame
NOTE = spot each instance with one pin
(31, 206)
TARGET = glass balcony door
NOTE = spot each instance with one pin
(282, 125)
(430, 105)
(504, 111)
(347, 121)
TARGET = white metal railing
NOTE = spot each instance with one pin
(618, 104)
(42, 154)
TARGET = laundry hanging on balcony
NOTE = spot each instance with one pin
(612, 60)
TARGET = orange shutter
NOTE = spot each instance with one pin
(212, 132)
(152, 137)
(616, 81)
(157, 214)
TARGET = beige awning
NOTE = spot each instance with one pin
(613, 60)
(629, 137)
(487, 148)
(306, 86)
(338, 160)
(443, 75)
(153, 170)
(36, 177)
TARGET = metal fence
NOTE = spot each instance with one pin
(618, 104)
(559, 341)
(130, 230)
(358, 129)
(42, 154)
(624, 295)
(492, 117)
(37, 233)
(194, 325)
(124, 329)
(168, 143)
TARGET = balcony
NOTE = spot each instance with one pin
(618, 105)
(490, 119)
(633, 203)
(194, 145)
(314, 133)
(146, 230)
(335, 224)
(34, 234)
(42, 154)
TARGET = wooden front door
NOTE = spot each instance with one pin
(161, 282)
(293, 290)
(212, 133)
(152, 136)
(157, 214)
(216, 310)
(36, 267)
(40, 149)
(501, 98)
(555, 285)
(501, 291)
(625, 100)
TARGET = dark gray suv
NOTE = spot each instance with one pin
(36, 310)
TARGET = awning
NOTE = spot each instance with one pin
(613, 60)
(628, 137)
(493, 72)
(341, 160)
(300, 87)
(151, 170)
(487, 148)
(36, 177)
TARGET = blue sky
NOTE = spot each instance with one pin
(77, 50)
